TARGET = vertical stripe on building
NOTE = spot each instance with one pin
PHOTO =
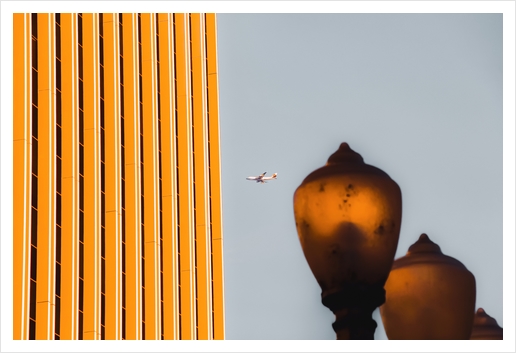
(132, 175)
(122, 169)
(58, 170)
(80, 70)
(22, 169)
(46, 179)
(167, 109)
(70, 178)
(215, 177)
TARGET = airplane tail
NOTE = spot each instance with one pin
(275, 175)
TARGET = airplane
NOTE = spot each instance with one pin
(262, 178)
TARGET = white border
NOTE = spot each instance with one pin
(263, 6)
(505, 7)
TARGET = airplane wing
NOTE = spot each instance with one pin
(257, 178)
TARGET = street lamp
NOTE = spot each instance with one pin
(348, 218)
(485, 327)
(429, 296)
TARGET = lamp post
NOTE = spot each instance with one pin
(485, 327)
(429, 296)
(348, 218)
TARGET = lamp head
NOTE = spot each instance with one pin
(348, 218)
(429, 295)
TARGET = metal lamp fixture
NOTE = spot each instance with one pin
(429, 296)
(485, 327)
(348, 218)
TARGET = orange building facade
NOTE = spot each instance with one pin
(117, 189)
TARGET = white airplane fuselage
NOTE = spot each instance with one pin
(262, 178)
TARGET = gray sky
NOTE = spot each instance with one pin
(417, 95)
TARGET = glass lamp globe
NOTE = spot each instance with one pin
(428, 296)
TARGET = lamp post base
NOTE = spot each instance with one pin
(353, 307)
